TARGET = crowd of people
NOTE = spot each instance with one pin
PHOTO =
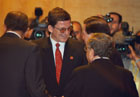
(70, 60)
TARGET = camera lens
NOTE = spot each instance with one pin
(123, 48)
(39, 34)
(108, 18)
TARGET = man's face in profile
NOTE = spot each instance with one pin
(85, 35)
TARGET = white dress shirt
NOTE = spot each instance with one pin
(61, 47)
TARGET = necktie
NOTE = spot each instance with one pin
(58, 62)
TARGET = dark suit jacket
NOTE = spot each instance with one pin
(20, 68)
(116, 58)
(74, 56)
(101, 79)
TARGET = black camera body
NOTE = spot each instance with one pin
(129, 39)
(107, 18)
(39, 28)
(123, 47)
(39, 31)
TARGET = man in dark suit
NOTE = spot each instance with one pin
(100, 78)
(72, 52)
(20, 63)
(98, 24)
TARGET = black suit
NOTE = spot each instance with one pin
(101, 79)
(116, 58)
(74, 56)
(20, 68)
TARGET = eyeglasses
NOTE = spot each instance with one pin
(62, 30)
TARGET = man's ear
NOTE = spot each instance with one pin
(120, 25)
(91, 54)
(4, 28)
(50, 28)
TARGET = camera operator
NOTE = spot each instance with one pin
(132, 61)
(115, 24)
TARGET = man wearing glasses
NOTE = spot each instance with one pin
(60, 53)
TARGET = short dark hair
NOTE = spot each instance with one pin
(16, 20)
(96, 24)
(119, 15)
(101, 43)
(57, 14)
(92, 18)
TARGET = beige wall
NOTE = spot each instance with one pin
(79, 9)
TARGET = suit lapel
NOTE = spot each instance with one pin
(48, 54)
(51, 57)
(66, 61)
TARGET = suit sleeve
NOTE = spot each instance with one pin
(130, 85)
(33, 74)
(116, 58)
(74, 87)
(84, 59)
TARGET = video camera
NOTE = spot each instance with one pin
(129, 39)
(123, 47)
(39, 28)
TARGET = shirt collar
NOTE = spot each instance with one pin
(14, 33)
(62, 44)
(98, 57)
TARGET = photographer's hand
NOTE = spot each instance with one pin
(133, 56)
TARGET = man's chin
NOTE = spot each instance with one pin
(63, 40)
